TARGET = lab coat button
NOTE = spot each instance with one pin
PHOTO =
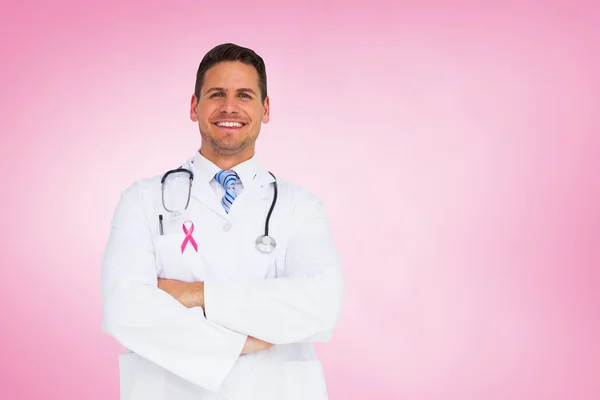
(227, 226)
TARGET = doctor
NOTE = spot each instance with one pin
(206, 305)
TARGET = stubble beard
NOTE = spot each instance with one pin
(226, 147)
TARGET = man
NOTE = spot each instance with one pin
(188, 284)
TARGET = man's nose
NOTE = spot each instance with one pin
(229, 105)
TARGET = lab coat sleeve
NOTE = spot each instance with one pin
(149, 321)
(303, 306)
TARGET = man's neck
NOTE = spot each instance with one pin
(224, 161)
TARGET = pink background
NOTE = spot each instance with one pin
(457, 149)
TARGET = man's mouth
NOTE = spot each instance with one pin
(229, 124)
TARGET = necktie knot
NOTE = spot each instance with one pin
(227, 179)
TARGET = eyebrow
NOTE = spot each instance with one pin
(220, 89)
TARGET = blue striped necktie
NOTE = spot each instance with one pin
(227, 179)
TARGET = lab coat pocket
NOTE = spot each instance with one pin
(139, 378)
(304, 380)
(176, 388)
(179, 259)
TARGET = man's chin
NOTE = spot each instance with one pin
(226, 147)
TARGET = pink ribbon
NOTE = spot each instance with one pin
(188, 237)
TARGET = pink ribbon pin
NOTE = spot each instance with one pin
(188, 237)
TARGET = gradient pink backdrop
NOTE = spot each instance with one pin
(457, 147)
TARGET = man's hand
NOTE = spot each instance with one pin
(190, 294)
(253, 345)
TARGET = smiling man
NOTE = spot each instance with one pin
(230, 103)
(218, 275)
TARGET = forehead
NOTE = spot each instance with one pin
(231, 74)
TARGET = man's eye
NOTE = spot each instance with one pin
(216, 94)
(245, 95)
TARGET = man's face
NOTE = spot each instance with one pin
(229, 110)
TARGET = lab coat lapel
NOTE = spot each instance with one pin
(253, 195)
(203, 192)
(263, 177)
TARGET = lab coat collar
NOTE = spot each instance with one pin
(251, 173)
(203, 169)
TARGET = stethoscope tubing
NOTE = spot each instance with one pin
(271, 242)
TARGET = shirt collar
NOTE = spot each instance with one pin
(249, 171)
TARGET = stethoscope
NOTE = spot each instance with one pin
(264, 243)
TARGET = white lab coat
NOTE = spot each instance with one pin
(291, 297)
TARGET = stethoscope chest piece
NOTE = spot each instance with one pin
(265, 243)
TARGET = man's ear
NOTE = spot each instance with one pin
(267, 108)
(194, 108)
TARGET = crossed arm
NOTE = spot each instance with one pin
(197, 330)
(191, 294)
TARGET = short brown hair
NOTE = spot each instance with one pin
(232, 52)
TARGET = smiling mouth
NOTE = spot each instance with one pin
(230, 124)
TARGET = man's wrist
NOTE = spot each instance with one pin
(199, 294)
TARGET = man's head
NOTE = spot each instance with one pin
(230, 101)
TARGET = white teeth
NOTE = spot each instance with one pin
(230, 124)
